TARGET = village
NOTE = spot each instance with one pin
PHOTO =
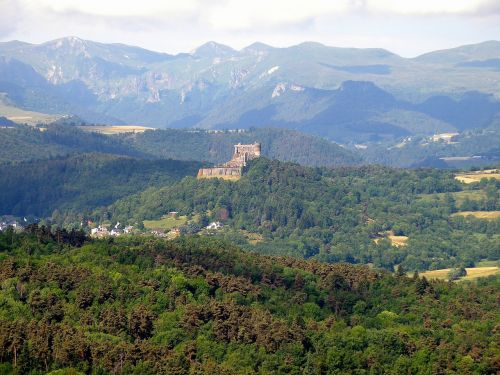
(171, 225)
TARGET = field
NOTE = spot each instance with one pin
(480, 214)
(166, 223)
(252, 238)
(228, 177)
(396, 241)
(25, 117)
(115, 129)
(459, 196)
(472, 273)
(468, 178)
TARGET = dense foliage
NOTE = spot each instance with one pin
(27, 143)
(199, 306)
(336, 215)
(217, 147)
(73, 185)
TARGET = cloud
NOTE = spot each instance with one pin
(429, 7)
(118, 8)
(404, 26)
(10, 15)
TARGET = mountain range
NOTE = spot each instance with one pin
(343, 94)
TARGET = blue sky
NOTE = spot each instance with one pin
(406, 27)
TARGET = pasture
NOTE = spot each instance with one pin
(114, 129)
(472, 273)
(165, 223)
(490, 215)
(22, 116)
(471, 177)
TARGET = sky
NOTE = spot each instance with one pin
(406, 27)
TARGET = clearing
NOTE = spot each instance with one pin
(479, 214)
(114, 129)
(396, 241)
(470, 177)
(459, 196)
(22, 116)
(472, 273)
(165, 223)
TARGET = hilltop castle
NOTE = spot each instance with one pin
(233, 168)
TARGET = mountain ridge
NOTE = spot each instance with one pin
(116, 83)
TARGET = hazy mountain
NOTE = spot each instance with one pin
(344, 94)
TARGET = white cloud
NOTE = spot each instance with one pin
(118, 8)
(403, 26)
(423, 7)
(238, 14)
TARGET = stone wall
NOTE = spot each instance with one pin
(220, 172)
(233, 168)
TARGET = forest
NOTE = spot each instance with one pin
(336, 215)
(198, 305)
(82, 182)
(26, 143)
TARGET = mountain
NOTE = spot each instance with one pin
(345, 94)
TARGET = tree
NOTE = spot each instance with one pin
(140, 322)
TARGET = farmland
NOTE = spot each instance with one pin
(472, 273)
(459, 196)
(165, 223)
(21, 116)
(471, 177)
(114, 129)
(491, 215)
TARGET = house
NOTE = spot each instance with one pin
(215, 225)
(100, 231)
(115, 232)
(128, 229)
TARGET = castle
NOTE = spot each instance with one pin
(232, 169)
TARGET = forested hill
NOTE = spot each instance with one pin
(24, 143)
(334, 214)
(27, 143)
(80, 183)
(217, 147)
(199, 306)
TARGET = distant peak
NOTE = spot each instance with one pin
(212, 49)
(258, 47)
(67, 41)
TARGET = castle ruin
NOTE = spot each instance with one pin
(232, 169)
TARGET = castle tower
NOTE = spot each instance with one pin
(233, 168)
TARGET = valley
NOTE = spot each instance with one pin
(268, 210)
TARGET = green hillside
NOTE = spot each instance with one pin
(200, 306)
(217, 147)
(78, 184)
(26, 143)
(332, 215)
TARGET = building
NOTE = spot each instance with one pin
(232, 169)
(216, 225)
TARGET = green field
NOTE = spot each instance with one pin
(468, 178)
(459, 196)
(479, 214)
(115, 129)
(166, 223)
(25, 117)
(472, 273)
